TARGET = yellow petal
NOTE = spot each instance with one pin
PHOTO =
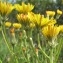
(59, 12)
(17, 25)
(7, 24)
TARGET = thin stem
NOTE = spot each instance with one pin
(44, 53)
(6, 43)
(38, 40)
(52, 51)
(42, 49)
(32, 45)
(58, 49)
(51, 58)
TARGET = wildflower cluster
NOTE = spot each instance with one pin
(31, 34)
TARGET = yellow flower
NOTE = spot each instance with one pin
(22, 17)
(18, 7)
(34, 18)
(27, 8)
(52, 21)
(59, 12)
(44, 20)
(30, 16)
(17, 25)
(6, 8)
(32, 25)
(39, 20)
(51, 31)
(50, 13)
(24, 8)
(61, 28)
(7, 24)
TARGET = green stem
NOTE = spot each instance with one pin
(4, 37)
(44, 53)
(51, 58)
(58, 49)
(7, 43)
(52, 51)
(25, 45)
(41, 48)
(11, 52)
(38, 40)
(32, 45)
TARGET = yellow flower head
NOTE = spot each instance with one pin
(44, 20)
(18, 7)
(38, 19)
(50, 13)
(34, 18)
(52, 21)
(22, 17)
(5, 8)
(61, 28)
(17, 25)
(32, 25)
(7, 24)
(30, 16)
(59, 12)
(51, 31)
(24, 8)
